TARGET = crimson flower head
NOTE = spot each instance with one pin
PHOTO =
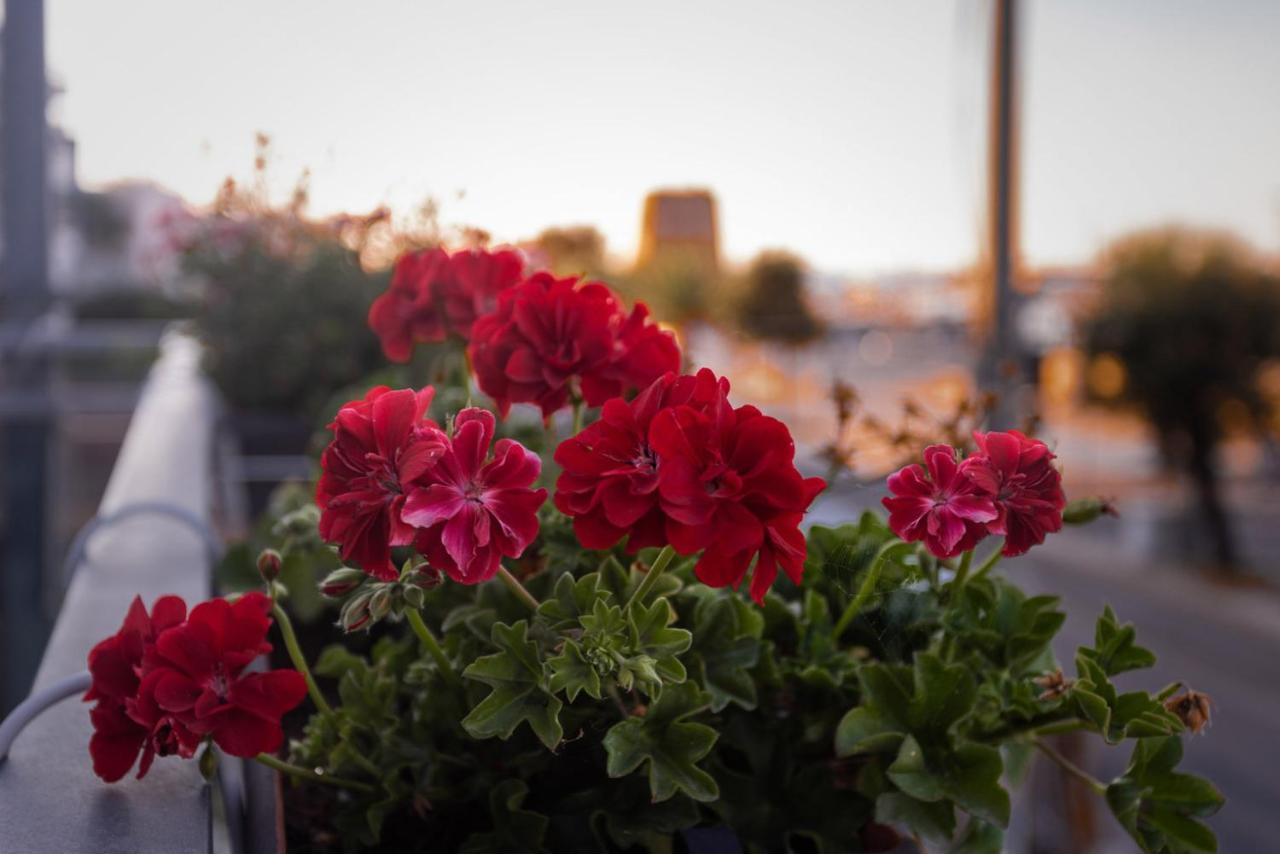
(1018, 473)
(114, 665)
(728, 486)
(408, 312)
(434, 295)
(381, 445)
(609, 472)
(198, 676)
(552, 339)
(474, 509)
(943, 507)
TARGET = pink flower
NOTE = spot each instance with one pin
(1018, 472)
(609, 478)
(381, 446)
(945, 508)
(475, 510)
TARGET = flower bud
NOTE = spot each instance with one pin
(1084, 510)
(342, 581)
(355, 613)
(269, 565)
(414, 596)
(427, 577)
(1193, 708)
(380, 602)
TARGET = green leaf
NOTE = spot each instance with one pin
(973, 782)
(653, 637)
(572, 673)
(888, 688)
(1182, 833)
(1115, 649)
(519, 694)
(910, 773)
(571, 599)
(932, 820)
(1159, 806)
(864, 730)
(514, 829)
(668, 743)
(1092, 707)
(725, 646)
(943, 694)
(980, 837)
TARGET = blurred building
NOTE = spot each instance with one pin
(679, 226)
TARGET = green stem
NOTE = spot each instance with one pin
(514, 585)
(1070, 767)
(868, 587)
(432, 646)
(312, 775)
(299, 661)
(466, 372)
(577, 417)
(988, 564)
(962, 574)
(651, 577)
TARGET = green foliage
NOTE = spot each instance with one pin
(668, 743)
(520, 689)
(1161, 807)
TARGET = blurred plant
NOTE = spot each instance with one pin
(285, 296)
(576, 250)
(1183, 332)
(773, 303)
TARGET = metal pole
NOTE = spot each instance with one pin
(1001, 367)
(24, 280)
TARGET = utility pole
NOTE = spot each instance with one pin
(1000, 369)
(24, 289)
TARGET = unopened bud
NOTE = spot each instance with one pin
(355, 613)
(380, 602)
(414, 596)
(426, 577)
(1193, 708)
(269, 564)
(1053, 685)
(1084, 510)
(342, 581)
(208, 763)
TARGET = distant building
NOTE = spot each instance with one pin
(680, 226)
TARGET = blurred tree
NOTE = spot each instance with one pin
(773, 302)
(1192, 319)
(576, 250)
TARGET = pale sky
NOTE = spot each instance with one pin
(849, 132)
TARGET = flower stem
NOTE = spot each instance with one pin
(868, 586)
(962, 573)
(299, 661)
(577, 416)
(988, 564)
(514, 585)
(467, 372)
(313, 775)
(651, 577)
(432, 646)
(1070, 767)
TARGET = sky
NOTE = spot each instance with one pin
(849, 132)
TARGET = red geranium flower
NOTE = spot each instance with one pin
(115, 664)
(475, 280)
(1018, 472)
(473, 512)
(728, 484)
(945, 508)
(198, 677)
(609, 477)
(434, 295)
(550, 339)
(408, 312)
(380, 446)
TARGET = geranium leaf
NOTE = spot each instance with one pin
(668, 744)
(514, 829)
(572, 673)
(726, 645)
(519, 694)
(864, 730)
(932, 820)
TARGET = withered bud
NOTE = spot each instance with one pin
(269, 562)
(1053, 685)
(1085, 510)
(342, 581)
(1192, 708)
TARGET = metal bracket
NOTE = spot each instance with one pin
(30, 708)
(80, 545)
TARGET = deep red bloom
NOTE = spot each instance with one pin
(944, 508)
(609, 477)
(434, 295)
(115, 664)
(475, 510)
(728, 484)
(475, 280)
(551, 338)
(408, 312)
(198, 677)
(381, 446)
(1018, 472)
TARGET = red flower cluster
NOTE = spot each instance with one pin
(381, 444)
(392, 477)
(552, 339)
(1008, 487)
(435, 295)
(168, 680)
(680, 466)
